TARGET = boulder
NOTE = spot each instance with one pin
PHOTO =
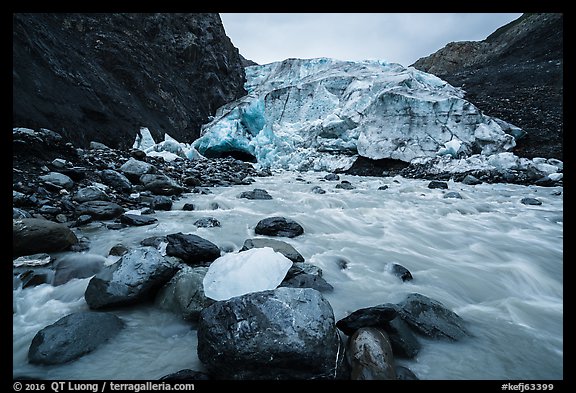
(400, 271)
(160, 184)
(277, 245)
(136, 277)
(404, 342)
(133, 169)
(161, 202)
(256, 193)
(137, 219)
(99, 210)
(58, 179)
(186, 375)
(35, 235)
(286, 333)
(90, 193)
(375, 316)
(207, 222)
(184, 293)
(72, 337)
(278, 226)
(306, 275)
(530, 201)
(192, 249)
(115, 180)
(370, 356)
(431, 318)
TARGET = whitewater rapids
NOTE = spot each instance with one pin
(493, 260)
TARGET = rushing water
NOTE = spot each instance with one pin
(496, 262)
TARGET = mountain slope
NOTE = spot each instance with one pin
(100, 77)
(515, 74)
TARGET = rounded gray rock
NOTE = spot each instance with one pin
(286, 333)
(278, 226)
(72, 337)
(35, 235)
(370, 356)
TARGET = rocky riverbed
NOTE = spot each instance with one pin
(286, 331)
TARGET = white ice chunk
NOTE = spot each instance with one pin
(556, 176)
(502, 161)
(451, 148)
(166, 155)
(255, 270)
(144, 140)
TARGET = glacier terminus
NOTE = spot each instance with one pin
(321, 114)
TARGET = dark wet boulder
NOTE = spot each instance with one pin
(305, 280)
(99, 210)
(400, 271)
(161, 184)
(306, 275)
(431, 318)
(161, 202)
(286, 333)
(192, 249)
(438, 184)
(186, 375)
(375, 316)
(278, 226)
(136, 277)
(35, 235)
(72, 337)
(345, 185)
(115, 180)
(405, 374)
(256, 193)
(90, 193)
(32, 277)
(277, 245)
(318, 190)
(58, 179)
(207, 222)
(137, 219)
(133, 169)
(18, 213)
(531, 201)
(404, 343)
(184, 293)
(369, 355)
(471, 180)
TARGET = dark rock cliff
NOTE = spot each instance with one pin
(100, 77)
(515, 74)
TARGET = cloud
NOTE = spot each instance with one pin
(396, 37)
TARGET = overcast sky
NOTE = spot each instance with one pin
(395, 37)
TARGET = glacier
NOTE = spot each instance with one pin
(322, 113)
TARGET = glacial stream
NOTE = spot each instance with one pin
(493, 260)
